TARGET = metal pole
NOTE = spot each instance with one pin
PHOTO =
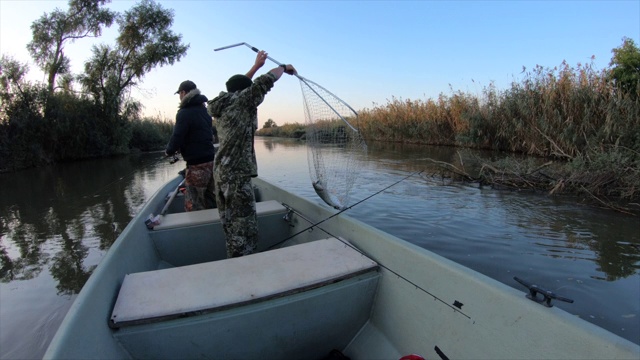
(306, 81)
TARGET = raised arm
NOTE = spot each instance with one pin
(260, 60)
(277, 71)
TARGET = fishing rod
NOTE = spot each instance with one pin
(454, 307)
(154, 220)
(343, 210)
(173, 195)
(304, 80)
(122, 178)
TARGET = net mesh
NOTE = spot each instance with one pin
(335, 146)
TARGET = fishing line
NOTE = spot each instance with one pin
(148, 166)
(341, 211)
(362, 252)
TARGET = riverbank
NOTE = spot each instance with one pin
(573, 118)
(577, 118)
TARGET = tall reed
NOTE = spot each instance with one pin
(560, 112)
(287, 130)
(573, 114)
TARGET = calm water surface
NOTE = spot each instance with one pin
(57, 223)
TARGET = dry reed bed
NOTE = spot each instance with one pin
(574, 117)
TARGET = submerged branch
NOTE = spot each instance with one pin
(551, 177)
(452, 168)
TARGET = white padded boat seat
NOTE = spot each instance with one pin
(202, 288)
(208, 216)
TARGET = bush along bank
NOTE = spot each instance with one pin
(575, 117)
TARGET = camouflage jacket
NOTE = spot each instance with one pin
(236, 119)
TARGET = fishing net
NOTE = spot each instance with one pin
(335, 146)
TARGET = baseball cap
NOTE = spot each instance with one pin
(187, 86)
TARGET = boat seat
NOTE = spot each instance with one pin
(199, 217)
(179, 292)
(197, 237)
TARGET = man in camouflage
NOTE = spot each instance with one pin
(235, 113)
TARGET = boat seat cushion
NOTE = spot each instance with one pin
(202, 288)
(199, 217)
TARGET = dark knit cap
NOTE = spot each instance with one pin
(238, 83)
(186, 86)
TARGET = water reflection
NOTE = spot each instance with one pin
(56, 214)
(554, 227)
(56, 224)
(67, 267)
(272, 144)
(559, 226)
(584, 253)
(563, 229)
(26, 245)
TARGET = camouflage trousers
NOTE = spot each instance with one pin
(199, 187)
(237, 207)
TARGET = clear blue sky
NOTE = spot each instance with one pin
(365, 52)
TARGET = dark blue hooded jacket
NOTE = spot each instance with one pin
(193, 132)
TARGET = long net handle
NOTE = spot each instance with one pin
(250, 47)
(306, 81)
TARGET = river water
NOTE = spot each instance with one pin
(56, 224)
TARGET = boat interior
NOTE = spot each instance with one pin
(320, 287)
(302, 299)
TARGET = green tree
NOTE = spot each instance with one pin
(269, 124)
(12, 74)
(85, 18)
(626, 67)
(145, 42)
(23, 131)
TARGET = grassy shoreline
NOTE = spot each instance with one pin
(586, 122)
(573, 118)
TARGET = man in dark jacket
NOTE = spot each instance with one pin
(193, 137)
(236, 117)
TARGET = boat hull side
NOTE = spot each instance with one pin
(84, 333)
(415, 309)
